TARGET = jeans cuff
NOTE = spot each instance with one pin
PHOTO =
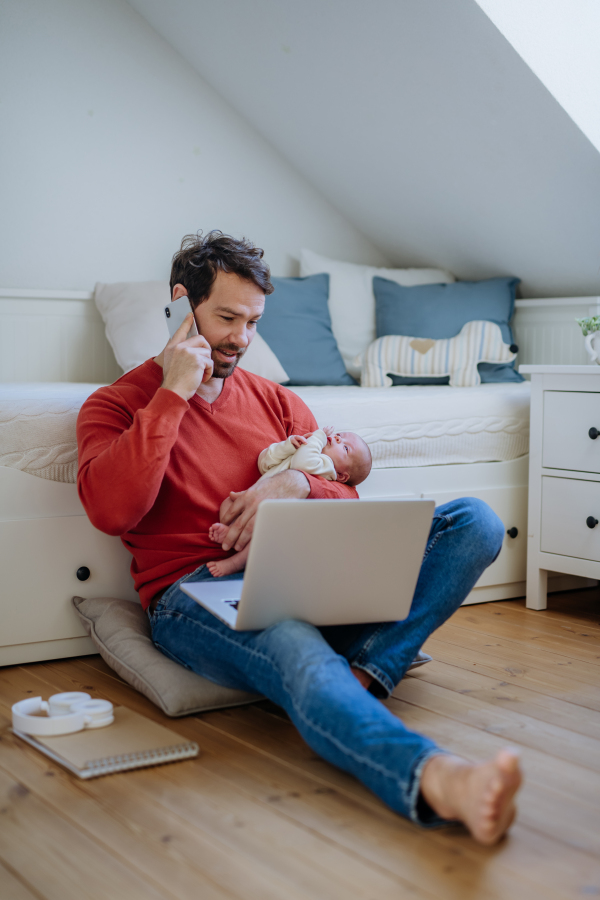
(382, 686)
(419, 810)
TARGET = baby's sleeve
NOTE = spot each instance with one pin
(275, 454)
(309, 457)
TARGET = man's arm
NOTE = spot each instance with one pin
(240, 508)
(122, 459)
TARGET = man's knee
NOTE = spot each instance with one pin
(486, 526)
(483, 530)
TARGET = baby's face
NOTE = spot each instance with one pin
(343, 448)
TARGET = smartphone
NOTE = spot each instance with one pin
(176, 312)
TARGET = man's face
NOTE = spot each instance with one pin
(227, 319)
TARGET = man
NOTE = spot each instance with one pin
(160, 452)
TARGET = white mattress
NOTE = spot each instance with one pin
(37, 428)
(404, 426)
(429, 425)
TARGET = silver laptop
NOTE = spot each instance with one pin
(325, 562)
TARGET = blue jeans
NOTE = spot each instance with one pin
(306, 670)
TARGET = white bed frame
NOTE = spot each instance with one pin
(45, 536)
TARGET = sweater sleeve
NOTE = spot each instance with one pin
(123, 456)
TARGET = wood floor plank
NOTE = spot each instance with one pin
(316, 798)
(512, 726)
(510, 696)
(57, 859)
(315, 792)
(577, 608)
(574, 642)
(507, 664)
(528, 652)
(578, 816)
(480, 744)
(570, 778)
(181, 858)
(511, 885)
(12, 888)
(296, 827)
(571, 610)
(284, 843)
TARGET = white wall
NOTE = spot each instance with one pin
(560, 41)
(418, 120)
(113, 148)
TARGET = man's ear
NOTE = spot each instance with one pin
(178, 291)
(343, 477)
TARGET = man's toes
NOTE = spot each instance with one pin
(508, 761)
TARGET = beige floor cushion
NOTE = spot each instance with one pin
(121, 632)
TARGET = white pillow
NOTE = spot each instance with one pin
(352, 301)
(136, 328)
(259, 359)
(133, 315)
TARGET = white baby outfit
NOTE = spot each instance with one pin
(307, 458)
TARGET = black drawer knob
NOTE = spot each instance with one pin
(591, 522)
(514, 348)
(83, 573)
(594, 433)
(512, 532)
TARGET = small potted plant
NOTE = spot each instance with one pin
(591, 331)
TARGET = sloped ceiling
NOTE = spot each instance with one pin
(418, 120)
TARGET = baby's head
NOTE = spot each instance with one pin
(350, 456)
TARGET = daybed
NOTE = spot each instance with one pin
(429, 441)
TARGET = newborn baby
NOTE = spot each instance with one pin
(336, 456)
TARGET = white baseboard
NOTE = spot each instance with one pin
(40, 650)
(556, 583)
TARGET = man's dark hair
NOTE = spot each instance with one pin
(196, 263)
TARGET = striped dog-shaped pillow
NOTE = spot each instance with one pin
(457, 357)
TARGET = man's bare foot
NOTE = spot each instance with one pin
(480, 795)
(217, 532)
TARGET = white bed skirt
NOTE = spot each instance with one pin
(45, 537)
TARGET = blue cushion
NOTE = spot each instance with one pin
(297, 327)
(440, 311)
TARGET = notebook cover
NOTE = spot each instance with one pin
(130, 742)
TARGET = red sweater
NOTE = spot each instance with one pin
(155, 469)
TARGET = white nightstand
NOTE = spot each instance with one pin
(564, 476)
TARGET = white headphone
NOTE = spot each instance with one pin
(66, 713)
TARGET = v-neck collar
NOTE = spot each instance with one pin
(196, 399)
(218, 403)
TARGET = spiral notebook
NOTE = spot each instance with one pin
(132, 741)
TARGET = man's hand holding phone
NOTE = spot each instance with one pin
(187, 362)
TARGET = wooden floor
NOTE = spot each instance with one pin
(258, 815)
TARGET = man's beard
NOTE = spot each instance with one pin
(224, 370)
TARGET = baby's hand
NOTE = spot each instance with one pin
(329, 430)
(297, 440)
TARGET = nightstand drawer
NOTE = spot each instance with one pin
(567, 504)
(568, 418)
